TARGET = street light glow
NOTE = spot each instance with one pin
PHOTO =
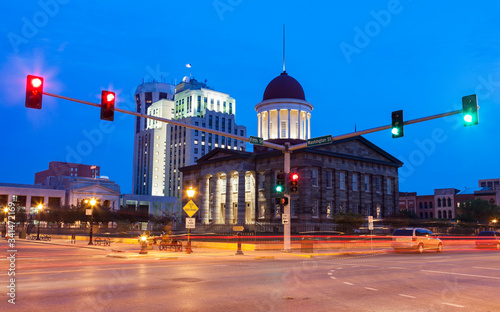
(92, 202)
(190, 192)
(40, 207)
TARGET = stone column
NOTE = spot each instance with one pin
(205, 201)
(299, 124)
(259, 126)
(241, 198)
(268, 114)
(217, 202)
(308, 126)
(229, 200)
(289, 126)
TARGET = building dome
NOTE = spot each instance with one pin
(284, 87)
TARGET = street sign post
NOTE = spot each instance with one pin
(190, 223)
(190, 208)
(320, 140)
(256, 140)
(370, 227)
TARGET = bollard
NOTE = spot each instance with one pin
(239, 252)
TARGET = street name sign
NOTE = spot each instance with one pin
(285, 218)
(320, 140)
(190, 223)
(190, 208)
(256, 140)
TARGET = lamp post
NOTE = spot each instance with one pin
(190, 193)
(6, 210)
(92, 204)
(144, 245)
(40, 207)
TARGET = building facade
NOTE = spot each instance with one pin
(58, 169)
(350, 175)
(160, 149)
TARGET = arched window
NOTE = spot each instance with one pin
(425, 204)
(432, 216)
(421, 215)
(449, 214)
(439, 202)
(420, 205)
(492, 201)
(426, 215)
(449, 202)
(439, 214)
(430, 205)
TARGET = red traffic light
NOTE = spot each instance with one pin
(34, 92)
(107, 105)
(294, 183)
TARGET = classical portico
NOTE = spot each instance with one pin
(225, 197)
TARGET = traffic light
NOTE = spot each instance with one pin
(282, 201)
(294, 183)
(397, 124)
(280, 183)
(34, 92)
(469, 110)
(107, 105)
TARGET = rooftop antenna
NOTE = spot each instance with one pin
(284, 48)
(189, 66)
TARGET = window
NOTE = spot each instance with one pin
(283, 129)
(342, 180)
(367, 183)
(389, 186)
(342, 207)
(314, 211)
(439, 202)
(262, 210)
(329, 206)
(235, 183)
(378, 187)
(262, 181)
(328, 179)
(314, 177)
(449, 202)
(354, 182)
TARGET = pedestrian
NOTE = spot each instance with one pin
(73, 238)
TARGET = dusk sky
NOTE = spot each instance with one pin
(357, 61)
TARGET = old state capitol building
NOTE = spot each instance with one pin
(237, 187)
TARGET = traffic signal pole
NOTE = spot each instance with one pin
(286, 227)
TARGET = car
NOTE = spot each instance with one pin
(488, 239)
(417, 239)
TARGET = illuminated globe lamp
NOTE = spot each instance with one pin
(144, 245)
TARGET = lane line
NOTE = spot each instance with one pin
(407, 296)
(398, 268)
(486, 268)
(369, 288)
(461, 274)
(454, 305)
(333, 277)
(330, 273)
(347, 283)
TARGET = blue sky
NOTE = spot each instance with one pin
(357, 61)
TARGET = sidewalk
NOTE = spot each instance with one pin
(126, 250)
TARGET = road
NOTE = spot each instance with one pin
(62, 278)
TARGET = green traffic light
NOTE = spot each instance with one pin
(395, 131)
(469, 109)
(279, 188)
(468, 118)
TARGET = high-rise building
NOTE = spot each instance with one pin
(148, 93)
(161, 149)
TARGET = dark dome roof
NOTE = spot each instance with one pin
(284, 87)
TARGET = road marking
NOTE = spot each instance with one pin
(398, 268)
(333, 277)
(486, 268)
(347, 283)
(407, 296)
(462, 274)
(369, 288)
(454, 305)
(330, 273)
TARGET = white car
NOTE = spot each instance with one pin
(417, 239)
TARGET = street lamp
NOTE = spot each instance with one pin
(144, 245)
(40, 207)
(92, 204)
(6, 210)
(190, 193)
(494, 221)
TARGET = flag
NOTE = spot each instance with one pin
(93, 167)
(188, 65)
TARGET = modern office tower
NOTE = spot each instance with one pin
(161, 149)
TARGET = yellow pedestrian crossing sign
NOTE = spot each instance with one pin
(190, 208)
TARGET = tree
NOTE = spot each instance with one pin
(477, 210)
(348, 222)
